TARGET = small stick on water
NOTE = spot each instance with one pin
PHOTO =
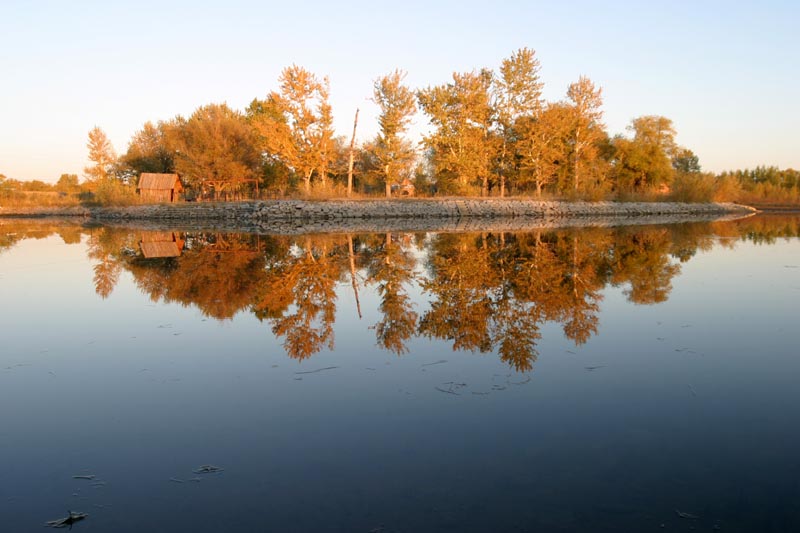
(70, 519)
(208, 469)
(317, 370)
(590, 368)
(176, 480)
(439, 362)
(447, 391)
(89, 477)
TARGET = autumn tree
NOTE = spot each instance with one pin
(67, 183)
(517, 98)
(542, 145)
(102, 156)
(587, 128)
(215, 144)
(150, 150)
(297, 124)
(645, 160)
(397, 106)
(685, 161)
(460, 144)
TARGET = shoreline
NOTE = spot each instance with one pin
(332, 216)
(266, 210)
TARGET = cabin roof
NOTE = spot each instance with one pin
(153, 181)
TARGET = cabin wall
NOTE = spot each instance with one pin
(157, 195)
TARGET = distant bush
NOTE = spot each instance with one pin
(112, 192)
(697, 187)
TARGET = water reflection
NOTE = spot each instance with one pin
(485, 292)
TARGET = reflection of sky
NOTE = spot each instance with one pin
(703, 420)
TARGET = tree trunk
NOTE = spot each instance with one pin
(352, 155)
(502, 185)
(388, 183)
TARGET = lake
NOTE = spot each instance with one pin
(630, 378)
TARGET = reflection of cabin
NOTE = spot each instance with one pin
(406, 188)
(160, 244)
(159, 187)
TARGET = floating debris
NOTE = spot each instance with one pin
(523, 382)
(439, 362)
(70, 519)
(570, 351)
(687, 516)
(176, 480)
(480, 393)
(195, 479)
(592, 368)
(89, 477)
(447, 391)
(317, 370)
(208, 469)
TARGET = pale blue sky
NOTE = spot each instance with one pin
(727, 73)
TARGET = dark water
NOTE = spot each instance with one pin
(571, 380)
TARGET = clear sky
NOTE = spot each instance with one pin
(727, 73)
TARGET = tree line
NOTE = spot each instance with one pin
(491, 133)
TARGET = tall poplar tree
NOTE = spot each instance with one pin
(518, 97)
(101, 154)
(298, 127)
(460, 145)
(587, 128)
(397, 105)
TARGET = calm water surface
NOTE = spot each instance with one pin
(571, 380)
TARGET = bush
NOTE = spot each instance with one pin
(696, 188)
(112, 192)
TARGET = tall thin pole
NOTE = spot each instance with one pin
(352, 155)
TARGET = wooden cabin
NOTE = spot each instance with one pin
(159, 188)
(161, 244)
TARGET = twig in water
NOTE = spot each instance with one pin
(447, 391)
(317, 370)
(687, 516)
(70, 519)
(208, 469)
(90, 477)
(439, 362)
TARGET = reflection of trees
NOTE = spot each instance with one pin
(486, 292)
(298, 297)
(216, 272)
(390, 266)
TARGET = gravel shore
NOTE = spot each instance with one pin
(291, 216)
